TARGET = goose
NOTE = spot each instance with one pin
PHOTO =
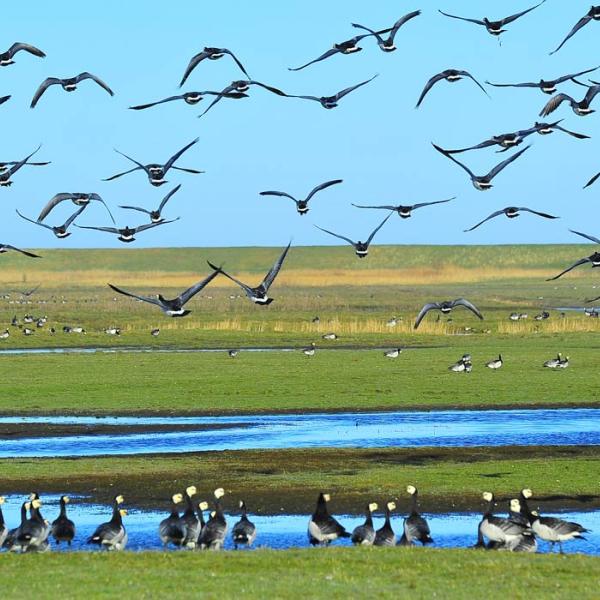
(495, 363)
(511, 212)
(3, 527)
(461, 366)
(68, 85)
(244, 531)
(233, 353)
(415, 527)
(392, 322)
(495, 27)
(527, 541)
(60, 231)
(156, 172)
(78, 199)
(155, 215)
(405, 211)
(593, 259)
(302, 205)
(63, 529)
(385, 535)
(330, 102)
(388, 45)
(212, 536)
(547, 86)
(316, 320)
(4, 166)
(451, 75)
(10, 540)
(310, 350)
(34, 532)
(553, 363)
(155, 332)
(127, 234)
(7, 247)
(28, 331)
(543, 316)
(189, 521)
(112, 535)
(172, 530)
(4, 335)
(581, 108)
(483, 182)
(202, 506)
(361, 248)
(330, 336)
(258, 294)
(364, 535)
(548, 128)
(393, 353)
(322, 527)
(190, 98)
(498, 529)
(27, 294)
(210, 54)
(592, 15)
(241, 86)
(112, 331)
(445, 308)
(6, 58)
(564, 363)
(6, 174)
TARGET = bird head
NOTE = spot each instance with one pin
(488, 496)
(411, 489)
(241, 504)
(391, 506)
(177, 498)
(119, 499)
(36, 503)
(373, 506)
(203, 505)
(65, 499)
(515, 505)
(190, 490)
(2, 500)
(219, 493)
(326, 497)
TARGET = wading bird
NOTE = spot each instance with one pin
(322, 527)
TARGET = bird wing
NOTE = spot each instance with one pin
(428, 86)
(19, 164)
(270, 88)
(387, 207)
(370, 238)
(107, 229)
(346, 91)
(577, 264)
(195, 171)
(176, 156)
(245, 287)
(57, 199)
(591, 238)
(143, 106)
(86, 75)
(581, 23)
(467, 74)
(323, 56)
(522, 85)
(98, 198)
(554, 103)
(421, 204)
(401, 21)
(74, 216)
(429, 306)
(124, 172)
(4, 99)
(579, 136)
(468, 305)
(142, 298)
(21, 251)
(145, 226)
(219, 97)
(136, 208)
(197, 287)
(323, 186)
(43, 87)
(194, 62)
(567, 77)
(237, 62)
(492, 216)
(275, 193)
(32, 221)
(315, 98)
(512, 18)
(341, 237)
(592, 181)
(371, 31)
(168, 197)
(535, 212)
(476, 21)
(267, 282)
(485, 144)
(442, 151)
(18, 46)
(592, 93)
(505, 163)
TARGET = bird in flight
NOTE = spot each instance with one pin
(126, 234)
(388, 45)
(593, 259)
(60, 231)
(210, 54)
(330, 102)
(258, 294)
(240, 87)
(405, 210)
(445, 308)
(451, 75)
(155, 215)
(78, 199)
(6, 58)
(69, 85)
(581, 109)
(511, 212)
(4, 166)
(6, 174)
(189, 98)
(7, 248)
(592, 181)
(592, 15)
(302, 205)
(547, 86)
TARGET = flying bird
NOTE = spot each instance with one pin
(189, 98)
(156, 173)
(60, 231)
(6, 174)
(174, 307)
(547, 128)
(302, 205)
(330, 102)
(30, 291)
(69, 85)
(511, 212)
(361, 248)
(210, 54)
(258, 294)
(7, 248)
(78, 199)
(495, 27)
(592, 181)
(405, 210)
(594, 258)
(451, 75)
(581, 109)
(4, 166)
(388, 45)
(445, 308)
(592, 15)
(155, 215)
(6, 58)
(126, 234)
(483, 182)
(547, 86)
(240, 87)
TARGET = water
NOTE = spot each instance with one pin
(454, 530)
(545, 427)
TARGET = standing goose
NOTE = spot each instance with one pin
(34, 533)
(10, 541)
(63, 529)
(498, 529)
(69, 85)
(78, 199)
(405, 210)
(112, 534)
(388, 45)
(416, 528)
(6, 58)
(190, 98)
(483, 182)
(127, 234)
(210, 54)
(385, 535)
(592, 15)
(495, 363)
(172, 530)
(451, 75)
(361, 248)
(60, 231)
(240, 87)
(6, 174)
(445, 308)
(527, 542)
(364, 535)
(3, 527)
(212, 536)
(310, 350)
(330, 102)
(189, 521)
(547, 86)
(322, 527)
(511, 212)
(258, 294)
(155, 215)
(244, 531)
(581, 109)
(302, 205)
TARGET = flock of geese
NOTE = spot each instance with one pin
(189, 528)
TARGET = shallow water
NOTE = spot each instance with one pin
(545, 427)
(457, 530)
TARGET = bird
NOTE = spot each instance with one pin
(210, 54)
(581, 109)
(385, 535)
(155, 215)
(10, 539)
(483, 182)
(554, 363)
(330, 102)
(495, 363)
(310, 350)
(6, 58)
(330, 336)
(212, 536)
(511, 212)
(155, 332)
(7, 247)
(190, 98)
(78, 199)
(322, 527)
(451, 75)
(364, 535)
(175, 306)
(156, 172)
(244, 531)
(33, 534)
(233, 353)
(405, 210)
(3, 336)
(258, 294)
(461, 366)
(69, 85)
(548, 128)
(302, 205)
(394, 353)
(445, 308)
(592, 15)
(112, 534)
(361, 248)
(60, 231)
(499, 529)
(563, 363)
(127, 234)
(592, 181)
(63, 529)
(415, 528)
(6, 174)
(495, 27)
(388, 45)
(189, 521)
(547, 86)
(4, 166)
(594, 258)
(171, 530)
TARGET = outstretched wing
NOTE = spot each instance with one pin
(151, 104)
(219, 97)
(237, 62)
(428, 86)
(142, 298)
(468, 305)
(141, 228)
(386, 207)
(581, 23)
(270, 88)
(86, 75)
(485, 144)
(43, 87)
(176, 156)
(106, 229)
(74, 216)
(30, 254)
(467, 74)
(442, 151)
(346, 91)
(54, 201)
(579, 136)
(18, 165)
(270, 277)
(535, 212)
(4, 99)
(323, 56)
(591, 238)
(492, 216)
(401, 21)
(194, 62)
(32, 221)
(519, 85)
(512, 18)
(370, 238)
(341, 237)
(323, 186)
(18, 46)
(567, 77)
(592, 93)
(168, 197)
(505, 163)
(421, 204)
(135, 162)
(275, 193)
(197, 287)
(424, 311)
(138, 208)
(577, 264)
(554, 103)
(217, 270)
(592, 181)
(476, 21)
(371, 31)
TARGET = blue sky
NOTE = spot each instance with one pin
(375, 140)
